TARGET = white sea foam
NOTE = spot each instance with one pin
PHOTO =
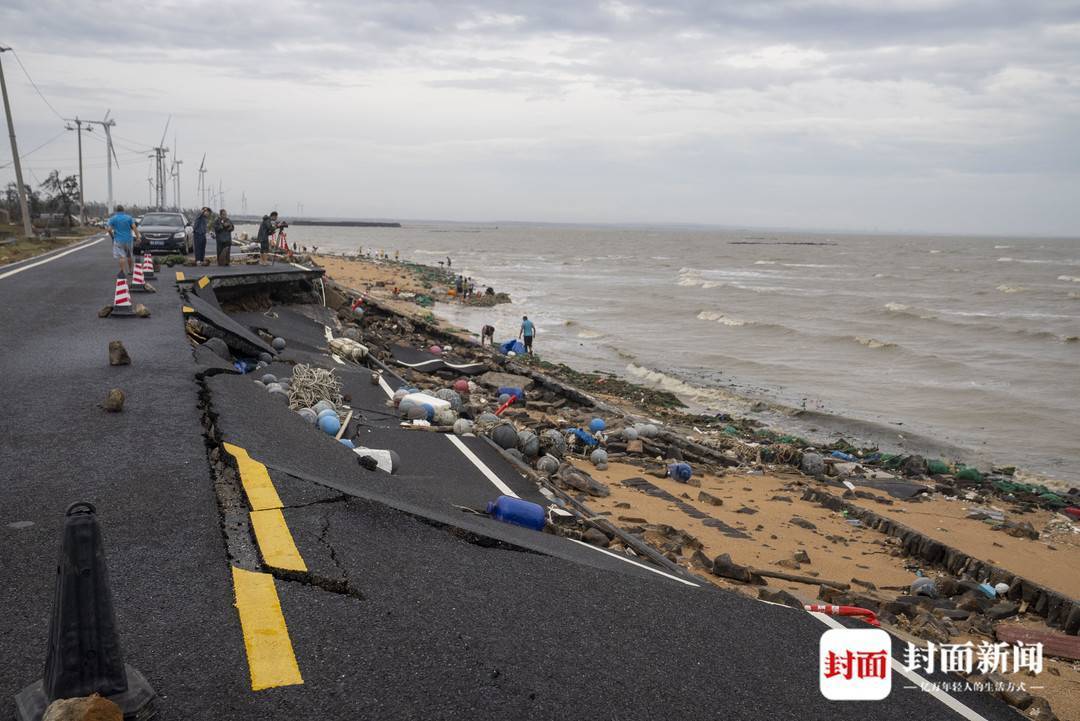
(720, 318)
(897, 307)
(1072, 278)
(1002, 247)
(764, 262)
(874, 342)
(1011, 288)
(1005, 260)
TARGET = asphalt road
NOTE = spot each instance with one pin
(448, 615)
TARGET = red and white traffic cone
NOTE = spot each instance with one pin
(864, 614)
(148, 266)
(121, 299)
(138, 285)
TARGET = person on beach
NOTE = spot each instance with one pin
(470, 287)
(459, 285)
(266, 229)
(123, 231)
(223, 228)
(487, 333)
(449, 263)
(526, 333)
(199, 229)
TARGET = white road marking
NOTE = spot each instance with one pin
(385, 386)
(488, 473)
(329, 333)
(634, 563)
(297, 265)
(915, 678)
(50, 259)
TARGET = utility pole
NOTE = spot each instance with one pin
(110, 154)
(27, 228)
(221, 193)
(78, 132)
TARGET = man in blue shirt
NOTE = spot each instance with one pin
(123, 232)
(528, 330)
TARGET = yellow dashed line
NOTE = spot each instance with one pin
(179, 275)
(204, 281)
(187, 309)
(257, 484)
(275, 541)
(270, 655)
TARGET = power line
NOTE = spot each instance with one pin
(36, 88)
(30, 152)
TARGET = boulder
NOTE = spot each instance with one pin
(118, 355)
(84, 708)
(802, 523)
(573, 478)
(114, 401)
(142, 311)
(801, 556)
(596, 537)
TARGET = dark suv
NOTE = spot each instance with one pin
(164, 233)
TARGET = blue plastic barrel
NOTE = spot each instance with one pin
(840, 455)
(521, 513)
(680, 472)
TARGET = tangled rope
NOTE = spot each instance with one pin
(310, 385)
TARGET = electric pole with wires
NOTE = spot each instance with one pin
(27, 227)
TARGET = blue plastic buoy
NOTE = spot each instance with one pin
(512, 391)
(517, 512)
(584, 436)
(327, 412)
(329, 424)
(429, 410)
(597, 424)
(680, 472)
(346, 442)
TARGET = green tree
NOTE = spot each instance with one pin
(11, 200)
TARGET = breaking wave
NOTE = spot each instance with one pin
(1071, 278)
(874, 343)
(1011, 289)
(721, 319)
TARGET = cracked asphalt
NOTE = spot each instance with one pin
(446, 615)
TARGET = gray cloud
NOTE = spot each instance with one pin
(937, 90)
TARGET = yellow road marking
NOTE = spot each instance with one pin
(179, 275)
(275, 541)
(256, 481)
(187, 309)
(204, 281)
(270, 655)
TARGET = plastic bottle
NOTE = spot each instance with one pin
(517, 512)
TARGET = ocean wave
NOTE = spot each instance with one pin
(1011, 289)
(681, 388)
(1004, 260)
(1002, 247)
(721, 319)
(874, 343)
(1069, 278)
(764, 262)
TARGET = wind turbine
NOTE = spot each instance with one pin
(159, 156)
(174, 171)
(202, 180)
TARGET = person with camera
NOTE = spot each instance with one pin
(266, 229)
(223, 228)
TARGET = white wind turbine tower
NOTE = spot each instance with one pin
(202, 181)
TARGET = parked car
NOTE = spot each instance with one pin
(164, 233)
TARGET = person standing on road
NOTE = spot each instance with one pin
(528, 330)
(223, 228)
(124, 232)
(199, 229)
(266, 229)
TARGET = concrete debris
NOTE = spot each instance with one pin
(724, 567)
(142, 311)
(105, 312)
(802, 523)
(570, 477)
(710, 499)
(219, 347)
(780, 596)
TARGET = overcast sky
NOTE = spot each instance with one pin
(927, 115)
